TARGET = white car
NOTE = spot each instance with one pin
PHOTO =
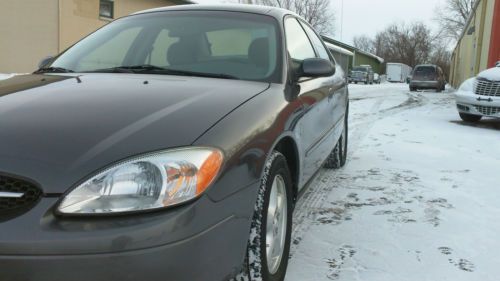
(480, 96)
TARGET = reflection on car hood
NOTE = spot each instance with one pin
(58, 129)
(492, 74)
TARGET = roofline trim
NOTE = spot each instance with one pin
(356, 50)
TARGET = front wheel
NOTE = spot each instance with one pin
(270, 233)
(469, 117)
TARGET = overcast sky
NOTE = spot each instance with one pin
(369, 16)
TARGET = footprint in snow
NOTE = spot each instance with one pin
(346, 253)
(462, 264)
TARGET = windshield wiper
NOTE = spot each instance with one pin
(128, 69)
(198, 74)
(52, 69)
(152, 69)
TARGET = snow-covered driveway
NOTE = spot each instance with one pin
(419, 198)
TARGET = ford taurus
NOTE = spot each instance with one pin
(170, 144)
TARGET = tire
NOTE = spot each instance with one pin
(338, 156)
(355, 82)
(256, 266)
(469, 117)
(439, 90)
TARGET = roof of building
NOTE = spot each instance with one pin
(339, 49)
(351, 48)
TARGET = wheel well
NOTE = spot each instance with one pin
(288, 148)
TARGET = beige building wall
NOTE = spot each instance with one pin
(31, 30)
(81, 17)
(471, 53)
(28, 33)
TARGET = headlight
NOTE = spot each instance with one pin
(144, 183)
(467, 85)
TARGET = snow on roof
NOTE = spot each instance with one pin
(339, 49)
(5, 76)
(381, 60)
(334, 42)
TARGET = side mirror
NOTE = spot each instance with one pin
(317, 67)
(45, 62)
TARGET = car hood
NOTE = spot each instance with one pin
(492, 74)
(59, 129)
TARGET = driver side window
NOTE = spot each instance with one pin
(298, 45)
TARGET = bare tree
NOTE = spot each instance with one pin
(364, 43)
(409, 44)
(318, 13)
(441, 56)
(452, 17)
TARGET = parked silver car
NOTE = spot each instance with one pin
(363, 73)
(479, 96)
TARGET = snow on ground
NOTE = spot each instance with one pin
(418, 199)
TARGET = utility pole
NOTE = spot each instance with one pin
(341, 18)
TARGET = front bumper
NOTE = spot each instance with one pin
(358, 79)
(204, 240)
(470, 103)
(424, 84)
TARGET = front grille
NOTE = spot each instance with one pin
(488, 110)
(487, 88)
(14, 206)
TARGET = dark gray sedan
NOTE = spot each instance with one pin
(171, 144)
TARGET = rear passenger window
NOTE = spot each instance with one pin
(317, 42)
(297, 42)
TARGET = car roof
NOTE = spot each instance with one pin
(255, 9)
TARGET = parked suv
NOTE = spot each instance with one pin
(480, 96)
(362, 73)
(427, 76)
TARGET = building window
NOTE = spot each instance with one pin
(106, 9)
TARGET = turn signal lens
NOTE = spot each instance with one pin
(151, 182)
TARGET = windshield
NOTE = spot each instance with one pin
(362, 69)
(221, 44)
(425, 71)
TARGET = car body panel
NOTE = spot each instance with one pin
(183, 244)
(46, 133)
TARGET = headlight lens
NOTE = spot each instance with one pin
(150, 182)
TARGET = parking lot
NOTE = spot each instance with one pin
(417, 200)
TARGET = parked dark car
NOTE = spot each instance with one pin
(427, 76)
(168, 145)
